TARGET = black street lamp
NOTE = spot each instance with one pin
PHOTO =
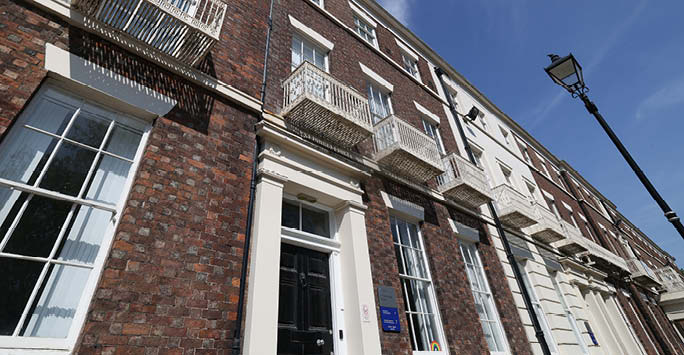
(567, 73)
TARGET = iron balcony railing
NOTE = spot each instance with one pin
(185, 30)
(514, 208)
(319, 104)
(464, 182)
(548, 228)
(642, 273)
(406, 151)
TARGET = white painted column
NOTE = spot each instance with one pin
(361, 332)
(261, 322)
(608, 339)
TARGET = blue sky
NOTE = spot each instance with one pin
(632, 54)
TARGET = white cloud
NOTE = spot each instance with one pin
(670, 95)
(400, 9)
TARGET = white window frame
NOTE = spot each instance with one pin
(365, 30)
(410, 64)
(487, 292)
(432, 297)
(538, 309)
(361, 18)
(506, 135)
(374, 89)
(50, 90)
(507, 178)
(303, 204)
(316, 47)
(432, 130)
(552, 204)
(568, 313)
(533, 191)
(319, 3)
(409, 60)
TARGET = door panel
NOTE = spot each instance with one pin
(305, 315)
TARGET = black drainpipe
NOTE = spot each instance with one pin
(237, 336)
(507, 247)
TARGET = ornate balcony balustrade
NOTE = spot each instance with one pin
(672, 297)
(577, 244)
(464, 182)
(574, 242)
(548, 228)
(642, 274)
(670, 279)
(318, 104)
(185, 30)
(514, 208)
(406, 151)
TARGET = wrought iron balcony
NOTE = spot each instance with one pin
(318, 104)
(406, 151)
(185, 30)
(464, 182)
(514, 208)
(642, 274)
(548, 228)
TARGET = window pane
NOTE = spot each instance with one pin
(397, 253)
(68, 169)
(23, 154)
(108, 180)
(38, 228)
(17, 279)
(413, 232)
(489, 335)
(290, 217)
(319, 60)
(85, 236)
(124, 142)
(421, 333)
(50, 116)
(10, 203)
(296, 52)
(308, 52)
(88, 129)
(55, 307)
(315, 221)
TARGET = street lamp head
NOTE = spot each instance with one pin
(567, 73)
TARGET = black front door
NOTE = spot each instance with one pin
(304, 314)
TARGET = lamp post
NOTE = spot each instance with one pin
(567, 73)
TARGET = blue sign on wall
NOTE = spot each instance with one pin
(390, 319)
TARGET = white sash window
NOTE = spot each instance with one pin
(538, 310)
(484, 302)
(65, 169)
(422, 315)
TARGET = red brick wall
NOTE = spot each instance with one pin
(634, 320)
(170, 283)
(344, 61)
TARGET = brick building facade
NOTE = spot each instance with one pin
(147, 150)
